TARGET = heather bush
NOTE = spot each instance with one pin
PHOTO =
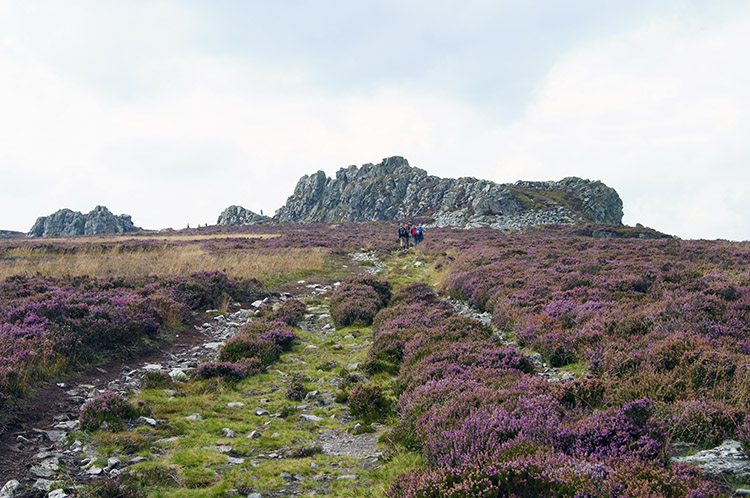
(205, 290)
(706, 423)
(111, 408)
(290, 312)
(629, 431)
(459, 434)
(229, 371)
(241, 347)
(47, 324)
(416, 292)
(274, 331)
(381, 287)
(583, 392)
(368, 402)
(297, 389)
(523, 476)
(354, 311)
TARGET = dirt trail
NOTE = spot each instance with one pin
(33, 446)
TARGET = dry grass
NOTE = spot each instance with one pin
(162, 261)
(99, 239)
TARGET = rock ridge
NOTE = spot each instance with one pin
(66, 222)
(394, 190)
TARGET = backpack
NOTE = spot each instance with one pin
(401, 232)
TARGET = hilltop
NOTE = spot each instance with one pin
(394, 190)
(67, 222)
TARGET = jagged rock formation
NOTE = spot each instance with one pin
(393, 190)
(66, 222)
(237, 215)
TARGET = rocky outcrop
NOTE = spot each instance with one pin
(394, 190)
(237, 215)
(97, 222)
(728, 459)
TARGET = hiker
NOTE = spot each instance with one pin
(415, 236)
(403, 236)
(420, 233)
(408, 231)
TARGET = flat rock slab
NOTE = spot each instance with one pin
(729, 459)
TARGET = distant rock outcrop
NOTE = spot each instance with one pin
(393, 190)
(66, 222)
(237, 215)
(10, 234)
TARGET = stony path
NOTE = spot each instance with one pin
(59, 457)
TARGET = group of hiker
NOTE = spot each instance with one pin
(416, 233)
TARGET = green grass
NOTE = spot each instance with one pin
(185, 468)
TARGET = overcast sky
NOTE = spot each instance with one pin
(171, 111)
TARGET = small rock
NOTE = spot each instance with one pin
(152, 367)
(56, 436)
(42, 485)
(255, 495)
(260, 412)
(729, 459)
(178, 375)
(113, 463)
(136, 460)
(22, 439)
(275, 434)
(57, 493)
(312, 395)
(94, 470)
(311, 346)
(69, 425)
(165, 440)
(235, 461)
(37, 471)
(140, 421)
(10, 488)
(311, 418)
(194, 416)
(347, 477)
(254, 435)
(220, 449)
(235, 404)
(742, 492)
(228, 433)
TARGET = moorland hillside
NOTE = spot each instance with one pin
(300, 359)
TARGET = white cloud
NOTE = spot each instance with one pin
(660, 113)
